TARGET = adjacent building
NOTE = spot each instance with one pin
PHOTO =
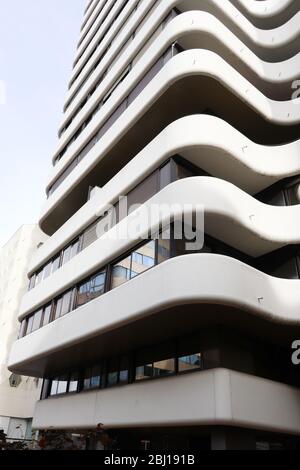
(18, 393)
(187, 103)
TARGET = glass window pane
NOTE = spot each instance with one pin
(66, 303)
(54, 384)
(58, 306)
(144, 372)
(183, 172)
(62, 384)
(90, 235)
(97, 285)
(29, 324)
(286, 269)
(74, 249)
(143, 259)
(92, 378)
(47, 270)
(165, 175)
(47, 315)
(121, 272)
(83, 295)
(124, 370)
(39, 277)
(73, 382)
(66, 255)
(63, 304)
(31, 282)
(164, 368)
(164, 246)
(190, 362)
(55, 264)
(37, 317)
(23, 327)
(143, 192)
(113, 372)
(294, 194)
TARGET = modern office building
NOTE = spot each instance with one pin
(18, 394)
(173, 102)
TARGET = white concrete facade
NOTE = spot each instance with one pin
(18, 395)
(212, 84)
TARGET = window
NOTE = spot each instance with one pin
(165, 175)
(53, 390)
(47, 270)
(47, 315)
(143, 258)
(83, 295)
(143, 191)
(92, 378)
(112, 373)
(39, 277)
(31, 282)
(189, 357)
(64, 304)
(286, 269)
(74, 248)
(138, 262)
(29, 324)
(190, 362)
(59, 385)
(91, 289)
(97, 285)
(23, 328)
(144, 372)
(55, 264)
(90, 235)
(164, 246)
(66, 255)
(73, 382)
(36, 322)
(155, 362)
(62, 384)
(293, 194)
(124, 370)
(121, 272)
(116, 85)
(164, 367)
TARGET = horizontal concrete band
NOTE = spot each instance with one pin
(215, 397)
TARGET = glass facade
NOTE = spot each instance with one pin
(158, 361)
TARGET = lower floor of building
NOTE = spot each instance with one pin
(192, 439)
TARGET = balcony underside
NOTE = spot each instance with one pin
(161, 304)
(189, 95)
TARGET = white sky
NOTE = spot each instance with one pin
(38, 40)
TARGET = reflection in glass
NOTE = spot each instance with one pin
(62, 384)
(73, 383)
(124, 370)
(121, 272)
(92, 378)
(164, 368)
(190, 362)
(144, 372)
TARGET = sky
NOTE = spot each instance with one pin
(38, 40)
